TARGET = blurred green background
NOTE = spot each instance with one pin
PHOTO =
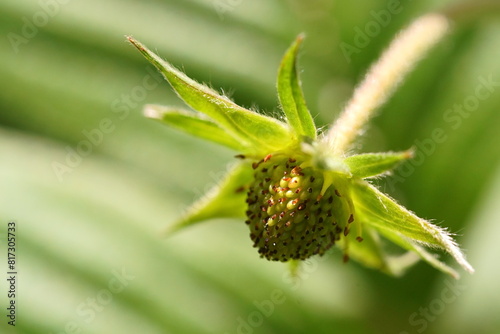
(91, 258)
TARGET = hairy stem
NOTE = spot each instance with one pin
(383, 77)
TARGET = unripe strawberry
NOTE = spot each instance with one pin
(288, 216)
(302, 198)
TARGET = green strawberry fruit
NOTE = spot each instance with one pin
(292, 213)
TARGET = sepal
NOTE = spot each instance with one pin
(225, 200)
(194, 124)
(385, 215)
(262, 133)
(374, 164)
(291, 96)
(371, 253)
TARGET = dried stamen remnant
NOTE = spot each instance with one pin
(288, 217)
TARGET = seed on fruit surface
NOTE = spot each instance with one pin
(288, 216)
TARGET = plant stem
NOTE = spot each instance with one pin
(383, 78)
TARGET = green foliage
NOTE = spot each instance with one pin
(251, 129)
(374, 164)
(291, 96)
(194, 124)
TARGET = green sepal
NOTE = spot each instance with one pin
(370, 253)
(373, 164)
(225, 200)
(428, 257)
(262, 133)
(193, 123)
(384, 214)
(291, 96)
